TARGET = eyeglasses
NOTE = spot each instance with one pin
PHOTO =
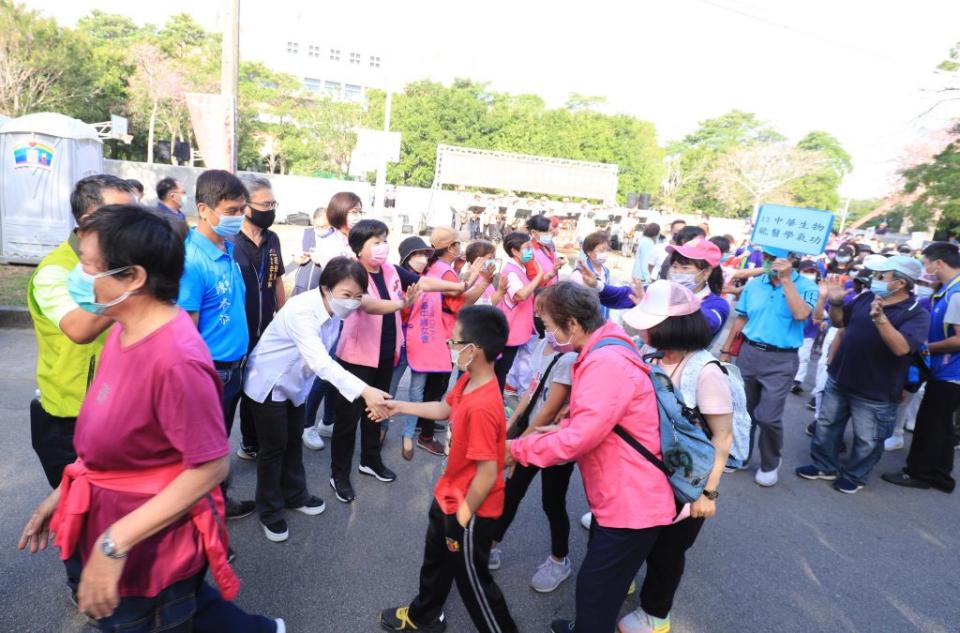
(264, 206)
(451, 342)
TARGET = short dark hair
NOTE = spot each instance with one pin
(165, 186)
(87, 194)
(479, 249)
(340, 205)
(651, 230)
(486, 327)
(136, 184)
(363, 231)
(687, 333)
(340, 269)
(688, 233)
(539, 223)
(722, 243)
(946, 252)
(130, 235)
(594, 240)
(676, 222)
(514, 241)
(567, 302)
(217, 185)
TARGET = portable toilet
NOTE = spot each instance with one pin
(42, 156)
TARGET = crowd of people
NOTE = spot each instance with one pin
(154, 336)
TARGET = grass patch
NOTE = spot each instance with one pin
(13, 284)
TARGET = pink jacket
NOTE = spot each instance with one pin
(623, 489)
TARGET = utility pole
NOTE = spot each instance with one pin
(229, 74)
(380, 189)
(843, 217)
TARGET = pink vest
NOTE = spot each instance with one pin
(429, 327)
(360, 338)
(519, 315)
(546, 261)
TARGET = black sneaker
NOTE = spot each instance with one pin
(380, 471)
(398, 619)
(312, 507)
(811, 429)
(239, 509)
(275, 531)
(812, 404)
(231, 555)
(343, 489)
(797, 388)
(561, 626)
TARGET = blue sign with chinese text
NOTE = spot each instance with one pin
(798, 230)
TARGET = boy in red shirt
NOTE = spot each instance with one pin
(468, 498)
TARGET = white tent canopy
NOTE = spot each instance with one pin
(51, 124)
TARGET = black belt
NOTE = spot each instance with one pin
(224, 365)
(763, 347)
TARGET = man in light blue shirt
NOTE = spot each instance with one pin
(213, 292)
(643, 262)
(771, 312)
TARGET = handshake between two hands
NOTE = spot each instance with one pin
(379, 404)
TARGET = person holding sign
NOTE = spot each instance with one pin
(770, 314)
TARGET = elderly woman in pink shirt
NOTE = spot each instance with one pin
(630, 499)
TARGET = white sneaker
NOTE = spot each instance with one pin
(765, 478)
(586, 519)
(893, 443)
(281, 627)
(550, 574)
(325, 430)
(312, 439)
(640, 621)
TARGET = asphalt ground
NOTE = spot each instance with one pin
(798, 557)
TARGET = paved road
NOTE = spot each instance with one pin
(796, 558)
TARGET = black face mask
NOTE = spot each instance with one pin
(539, 326)
(262, 219)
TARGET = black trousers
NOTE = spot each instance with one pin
(349, 414)
(462, 554)
(931, 453)
(281, 480)
(248, 429)
(665, 564)
(614, 556)
(502, 367)
(52, 440)
(554, 482)
(434, 389)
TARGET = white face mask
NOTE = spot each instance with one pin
(810, 276)
(455, 357)
(342, 308)
(687, 280)
(418, 263)
(352, 219)
(602, 257)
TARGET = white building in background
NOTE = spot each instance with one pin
(325, 65)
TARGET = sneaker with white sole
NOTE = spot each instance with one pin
(276, 531)
(325, 430)
(586, 520)
(381, 473)
(847, 486)
(247, 454)
(312, 507)
(812, 473)
(312, 439)
(893, 443)
(343, 490)
(767, 478)
(496, 559)
(281, 627)
(640, 621)
(550, 574)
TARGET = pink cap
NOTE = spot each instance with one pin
(662, 299)
(699, 248)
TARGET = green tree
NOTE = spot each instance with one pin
(820, 189)
(936, 185)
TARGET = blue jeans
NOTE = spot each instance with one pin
(873, 422)
(320, 391)
(232, 380)
(398, 372)
(185, 606)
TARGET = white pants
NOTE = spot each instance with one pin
(907, 411)
(804, 355)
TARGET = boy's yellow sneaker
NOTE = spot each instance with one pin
(640, 621)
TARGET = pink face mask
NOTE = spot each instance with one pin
(379, 253)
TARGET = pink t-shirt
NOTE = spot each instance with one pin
(153, 403)
(713, 387)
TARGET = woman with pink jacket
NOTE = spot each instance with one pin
(630, 499)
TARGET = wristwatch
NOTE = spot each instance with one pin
(712, 495)
(109, 548)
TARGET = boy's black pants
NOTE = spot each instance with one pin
(462, 554)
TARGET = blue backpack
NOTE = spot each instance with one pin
(688, 455)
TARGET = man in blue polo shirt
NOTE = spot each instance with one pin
(930, 461)
(213, 292)
(771, 312)
(883, 328)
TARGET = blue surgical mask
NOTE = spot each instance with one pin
(526, 255)
(923, 291)
(229, 225)
(80, 286)
(546, 239)
(879, 287)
